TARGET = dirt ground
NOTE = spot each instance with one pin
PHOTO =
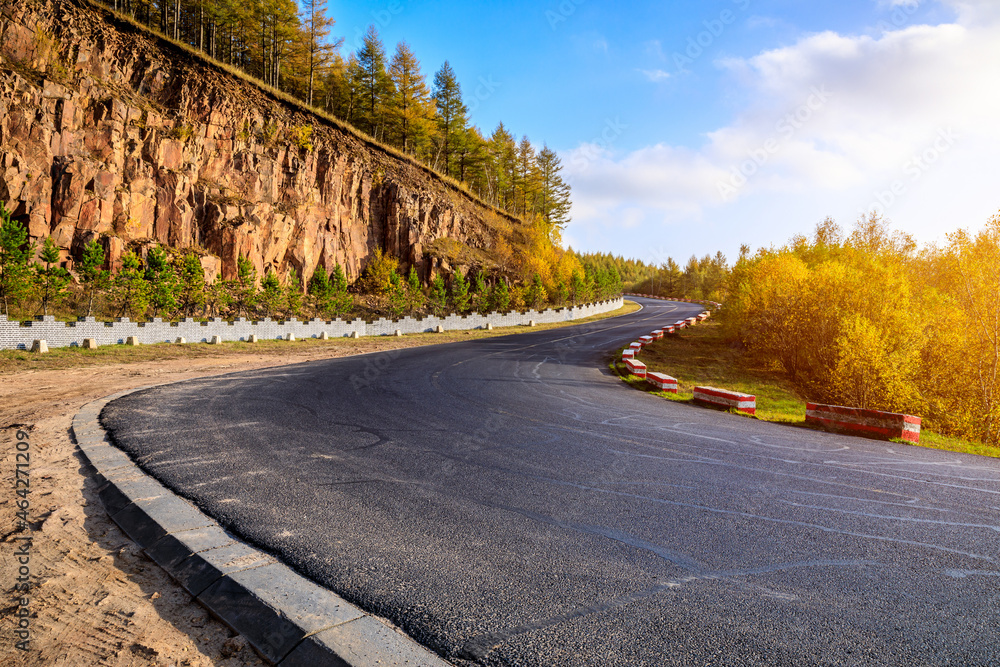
(95, 598)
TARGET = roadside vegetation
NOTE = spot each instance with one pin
(171, 284)
(705, 356)
(870, 320)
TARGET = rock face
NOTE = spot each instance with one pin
(108, 132)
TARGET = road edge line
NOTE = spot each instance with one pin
(288, 619)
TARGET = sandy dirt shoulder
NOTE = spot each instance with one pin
(96, 598)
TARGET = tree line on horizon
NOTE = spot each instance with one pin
(289, 47)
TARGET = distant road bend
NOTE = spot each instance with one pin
(508, 502)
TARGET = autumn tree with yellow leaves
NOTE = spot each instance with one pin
(871, 321)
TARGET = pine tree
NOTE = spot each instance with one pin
(130, 291)
(502, 151)
(340, 301)
(375, 86)
(191, 279)
(459, 293)
(318, 52)
(164, 286)
(218, 297)
(91, 271)
(577, 288)
(320, 290)
(50, 278)
(527, 185)
(270, 294)
(411, 109)
(480, 292)
(555, 192)
(292, 302)
(243, 290)
(439, 296)
(15, 254)
(537, 296)
(500, 297)
(451, 113)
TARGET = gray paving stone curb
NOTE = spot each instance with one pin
(288, 619)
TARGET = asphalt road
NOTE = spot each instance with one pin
(509, 502)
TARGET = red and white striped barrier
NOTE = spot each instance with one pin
(873, 423)
(646, 340)
(692, 321)
(628, 354)
(657, 335)
(636, 368)
(702, 317)
(635, 346)
(662, 381)
(680, 324)
(669, 329)
(727, 399)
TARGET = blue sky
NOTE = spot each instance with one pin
(690, 127)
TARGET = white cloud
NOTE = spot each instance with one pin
(655, 75)
(830, 121)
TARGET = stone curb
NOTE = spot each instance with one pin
(286, 618)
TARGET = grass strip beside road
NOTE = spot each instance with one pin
(17, 361)
(701, 356)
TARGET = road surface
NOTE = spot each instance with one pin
(508, 502)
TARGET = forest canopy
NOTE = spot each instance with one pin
(294, 48)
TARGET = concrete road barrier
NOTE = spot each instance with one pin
(726, 399)
(635, 346)
(628, 354)
(636, 368)
(657, 335)
(646, 340)
(869, 423)
(662, 381)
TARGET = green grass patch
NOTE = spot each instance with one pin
(701, 356)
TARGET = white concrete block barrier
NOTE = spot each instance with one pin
(662, 381)
(628, 354)
(726, 399)
(15, 335)
(636, 368)
(869, 423)
(646, 340)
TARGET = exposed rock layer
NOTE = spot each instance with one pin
(107, 131)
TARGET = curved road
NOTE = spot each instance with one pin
(508, 502)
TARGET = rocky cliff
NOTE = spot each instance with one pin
(109, 132)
